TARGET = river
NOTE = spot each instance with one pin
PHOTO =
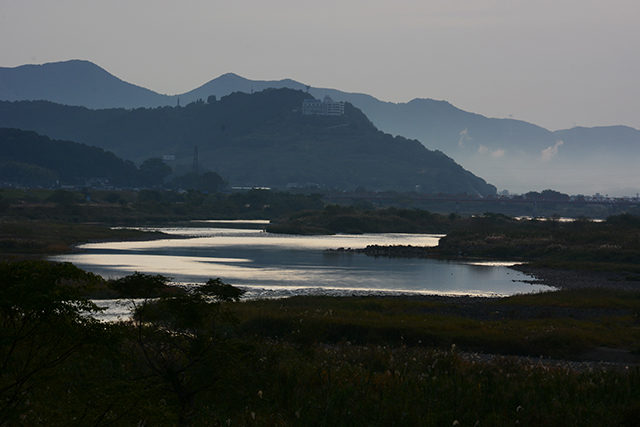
(276, 265)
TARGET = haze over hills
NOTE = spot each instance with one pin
(512, 154)
(259, 139)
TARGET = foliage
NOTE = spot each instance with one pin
(625, 221)
(26, 174)
(520, 329)
(176, 334)
(46, 159)
(61, 367)
(64, 197)
(42, 325)
(34, 160)
(150, 206)
(153, 171)
(547, 195)
(40, 289)
(140, 286)
(615, 241)
(362, 385)
(580, 298)
(390, 361)
(259, 139)
(349, 219)
(220, 292)
(34, 238)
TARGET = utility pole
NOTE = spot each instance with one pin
(195, 167)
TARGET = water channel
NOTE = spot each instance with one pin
(277, 265)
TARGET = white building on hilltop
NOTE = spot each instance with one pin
(326, 107)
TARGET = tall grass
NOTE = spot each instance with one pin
(306, 321)
(580, 298)
(347, 385)
(324, 361)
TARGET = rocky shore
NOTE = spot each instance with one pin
(578, 279)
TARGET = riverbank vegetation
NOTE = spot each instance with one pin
(46, 222)
(37, 239)
(582, 244)
(42, 221)
(204, 359)
(150, 206)
(352, 220)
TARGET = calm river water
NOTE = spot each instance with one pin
(273, 264)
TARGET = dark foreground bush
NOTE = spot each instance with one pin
(184, 360)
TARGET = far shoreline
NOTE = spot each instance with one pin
(577, 279)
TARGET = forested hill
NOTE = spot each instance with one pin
(27, 158)
(259, 139)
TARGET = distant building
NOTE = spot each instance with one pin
(313, 106)
(326, 107)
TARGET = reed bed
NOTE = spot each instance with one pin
(358, 385)
(320, 361)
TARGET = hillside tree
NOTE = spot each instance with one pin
(154, 171)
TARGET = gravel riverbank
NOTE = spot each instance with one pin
(577, 279)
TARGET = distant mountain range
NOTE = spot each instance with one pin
(512, 154)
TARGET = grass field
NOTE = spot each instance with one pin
(437, 362)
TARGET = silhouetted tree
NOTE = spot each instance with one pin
(209, 182)
(176, 333)
(154, 171)
(41, 326)
(555, 195)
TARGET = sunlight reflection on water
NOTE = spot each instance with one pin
(254, 259)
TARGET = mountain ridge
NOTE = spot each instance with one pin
(75, 82)
(259, 139)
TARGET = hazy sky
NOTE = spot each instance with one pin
(556, 63)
